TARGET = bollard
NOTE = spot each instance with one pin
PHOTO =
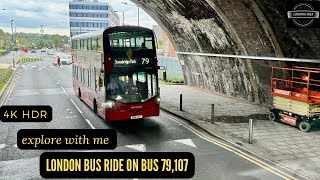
(212, 113)
(164, 76)
(181, 102)
(250, 130)
(13, 63)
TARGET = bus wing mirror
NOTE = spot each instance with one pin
(100, 82)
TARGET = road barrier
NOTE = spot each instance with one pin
(212, 113)
(181, 102)
(250, 130)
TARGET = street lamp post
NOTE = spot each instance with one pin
(122, 17)
(12, 31)
(138, 10)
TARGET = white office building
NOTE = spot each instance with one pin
(157, 31)
(91, 15)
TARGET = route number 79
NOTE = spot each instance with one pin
(145, 61)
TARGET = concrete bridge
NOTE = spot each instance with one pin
(241, 27)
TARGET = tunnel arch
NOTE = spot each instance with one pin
(223, 27)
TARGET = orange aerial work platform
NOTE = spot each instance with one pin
(296, 96)
(303, 84)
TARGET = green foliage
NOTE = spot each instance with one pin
(160, 44)
(24, 60)
(32, 40)
(56, 41)
(1, 43)
(5, 79)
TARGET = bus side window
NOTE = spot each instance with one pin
(78, 44)
(148, 43)
(94, 44)
(90, 44)
(100, 44)
(85, 44)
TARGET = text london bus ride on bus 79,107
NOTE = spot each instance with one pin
(115, 72)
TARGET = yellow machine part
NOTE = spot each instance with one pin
(296, 107)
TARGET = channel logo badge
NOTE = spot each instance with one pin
(303, 14)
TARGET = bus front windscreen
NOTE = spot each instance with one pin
(131, 88)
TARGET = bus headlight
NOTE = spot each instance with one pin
(108, 105)
(158, 100)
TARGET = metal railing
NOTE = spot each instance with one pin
(251, 57)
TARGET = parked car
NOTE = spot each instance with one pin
(33, 51)
(50, 52)
(66, 60)
(43, 50)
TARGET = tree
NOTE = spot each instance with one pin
(23, 41)
(1, 43)
(2, 34)
(56, 41)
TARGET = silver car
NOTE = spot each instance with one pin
(66, 60)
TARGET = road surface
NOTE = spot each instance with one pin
(42, 83)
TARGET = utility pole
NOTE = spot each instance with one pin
(12, 32)
(138, 10)
(122, 17)
(42, 31)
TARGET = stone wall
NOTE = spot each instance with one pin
(224, 27)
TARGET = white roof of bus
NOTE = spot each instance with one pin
(88, 35)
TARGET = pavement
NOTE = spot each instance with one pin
(282, 144)
(8, 59)
(41, 83)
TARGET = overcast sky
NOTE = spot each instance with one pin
(29, 15)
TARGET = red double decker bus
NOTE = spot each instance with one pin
(115, 72)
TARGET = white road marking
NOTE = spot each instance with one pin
(187, 142)
(237, 151)
(2, 146)
(76, 106)
(137, 147)
(65, 92)
(90, 124)
(87, 120)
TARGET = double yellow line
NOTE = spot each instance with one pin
(234, 150)
(9, 94)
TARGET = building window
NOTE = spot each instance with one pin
(103, 7)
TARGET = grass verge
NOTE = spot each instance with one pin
(6, 79)
(2, 70)
(23, 60)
